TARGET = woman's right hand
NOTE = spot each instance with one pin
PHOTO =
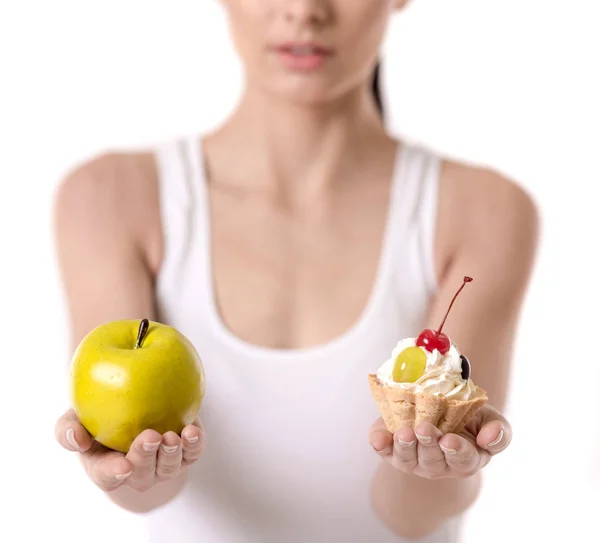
(152, 458)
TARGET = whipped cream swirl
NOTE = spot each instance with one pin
(442, 375)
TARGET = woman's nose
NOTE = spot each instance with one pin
(309, 12)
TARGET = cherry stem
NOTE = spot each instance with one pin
(465, 281)
(144, 325)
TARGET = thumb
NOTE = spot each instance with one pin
(71, 434)
(495, 432)
(379, 437)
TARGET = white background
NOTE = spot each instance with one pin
(507, 83)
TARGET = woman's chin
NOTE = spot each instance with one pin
(313, 93)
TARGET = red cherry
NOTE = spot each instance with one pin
(431, 340)
(435, 339)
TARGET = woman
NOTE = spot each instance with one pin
(294, 246)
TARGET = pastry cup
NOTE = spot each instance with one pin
(400, 407)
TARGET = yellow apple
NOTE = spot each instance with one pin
(130, 375)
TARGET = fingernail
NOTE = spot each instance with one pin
(447, 450)
(375, 448)
(498, 439)
(405, 444)
(170, 449)
(424, 439)
(151, 447)
(71, 438)
(192, 439)
(122, 476)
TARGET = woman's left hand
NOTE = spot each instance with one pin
(425, 452)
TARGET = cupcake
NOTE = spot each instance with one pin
(427, 379)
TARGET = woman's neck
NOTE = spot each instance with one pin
(297, 149)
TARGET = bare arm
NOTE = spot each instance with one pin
(107, 239)
(494, 241)
(101, 250)
(496, 244)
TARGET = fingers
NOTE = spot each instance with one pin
(143, 457)
(160, 457)
(193, 440)
(462, 457)
(431, 458)
(495, 436)
(405, 450)
(424, 451)
(169, 458)
(108, 469)
(380, 439)
(70, 433)
(150, 457)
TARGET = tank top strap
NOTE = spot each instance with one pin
(193, 151)
(174, 173)
(198, 185)
(413, 217)
(184, 228)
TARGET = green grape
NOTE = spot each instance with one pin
(410, 365)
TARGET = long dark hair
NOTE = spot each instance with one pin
(376, 89)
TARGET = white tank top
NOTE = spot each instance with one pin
(288, 458)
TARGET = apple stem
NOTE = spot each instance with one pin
(144, 325)
(465, 281)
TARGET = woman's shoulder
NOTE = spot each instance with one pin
(486, 213)
(112, 193)
(487, 196)
(128, 172)
(109, 169)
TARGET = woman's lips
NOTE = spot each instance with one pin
(303, 56)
